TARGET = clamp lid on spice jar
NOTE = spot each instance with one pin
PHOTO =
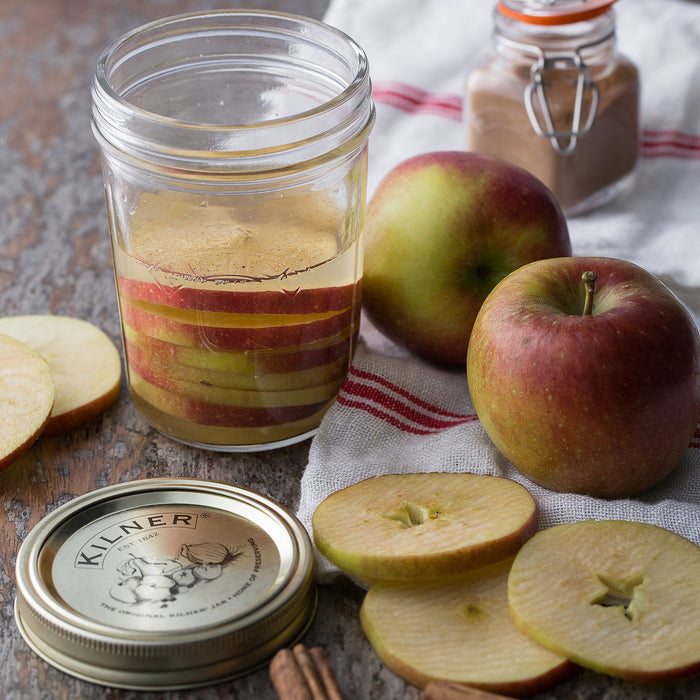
(558, 99)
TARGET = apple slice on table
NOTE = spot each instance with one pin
(26, 397)
(457, 629)
(401, 526)
(84, 363)
(615, 596)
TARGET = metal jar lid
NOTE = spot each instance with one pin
(164, 583)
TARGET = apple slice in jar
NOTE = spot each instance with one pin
(457, 629)
(614, 596)
(402, 526)
(84, 363)
(26, 397)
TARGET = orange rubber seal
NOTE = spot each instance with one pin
(588, 11)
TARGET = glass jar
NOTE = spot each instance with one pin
(558, 99)
(234, 151)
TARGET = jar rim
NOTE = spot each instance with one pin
(134, 129)
(553, 12)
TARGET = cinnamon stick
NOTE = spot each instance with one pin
(442, 690)
(303, 674)
(320, 657)
(287, 678)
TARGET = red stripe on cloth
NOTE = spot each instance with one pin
(669, 143)
(371, 376)
(659, 143)
(405, 410)
(681, 138)
(381, 398)
(695, 442)
(386, 417)
(409, 98)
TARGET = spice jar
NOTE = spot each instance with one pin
(234, 154)
(558, 99)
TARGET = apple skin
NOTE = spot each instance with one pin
(232, 397)
(234, 337)
(275, 361)
(247, 381)
(441, 231)
(299, 301)
(208, 414)
(602, 404)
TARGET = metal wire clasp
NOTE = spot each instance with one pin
(563, 141)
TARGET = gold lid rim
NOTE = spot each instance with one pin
(195, 655)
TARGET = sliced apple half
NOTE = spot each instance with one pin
(252, 397)
(84, 363)
(193, 423)
(457, 629)
(403, 526)
(297, 301)
(26, 397)
(298, 332)
(264, 361)
(215, 414)
(618, 597)
(245, 381)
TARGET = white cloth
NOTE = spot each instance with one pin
(398, 413)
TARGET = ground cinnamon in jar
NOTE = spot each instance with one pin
(558, 99)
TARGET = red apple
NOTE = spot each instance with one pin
(602, 401)
(441, 231)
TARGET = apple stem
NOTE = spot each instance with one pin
(589, 279)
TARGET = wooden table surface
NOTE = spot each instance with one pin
(55, 258)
